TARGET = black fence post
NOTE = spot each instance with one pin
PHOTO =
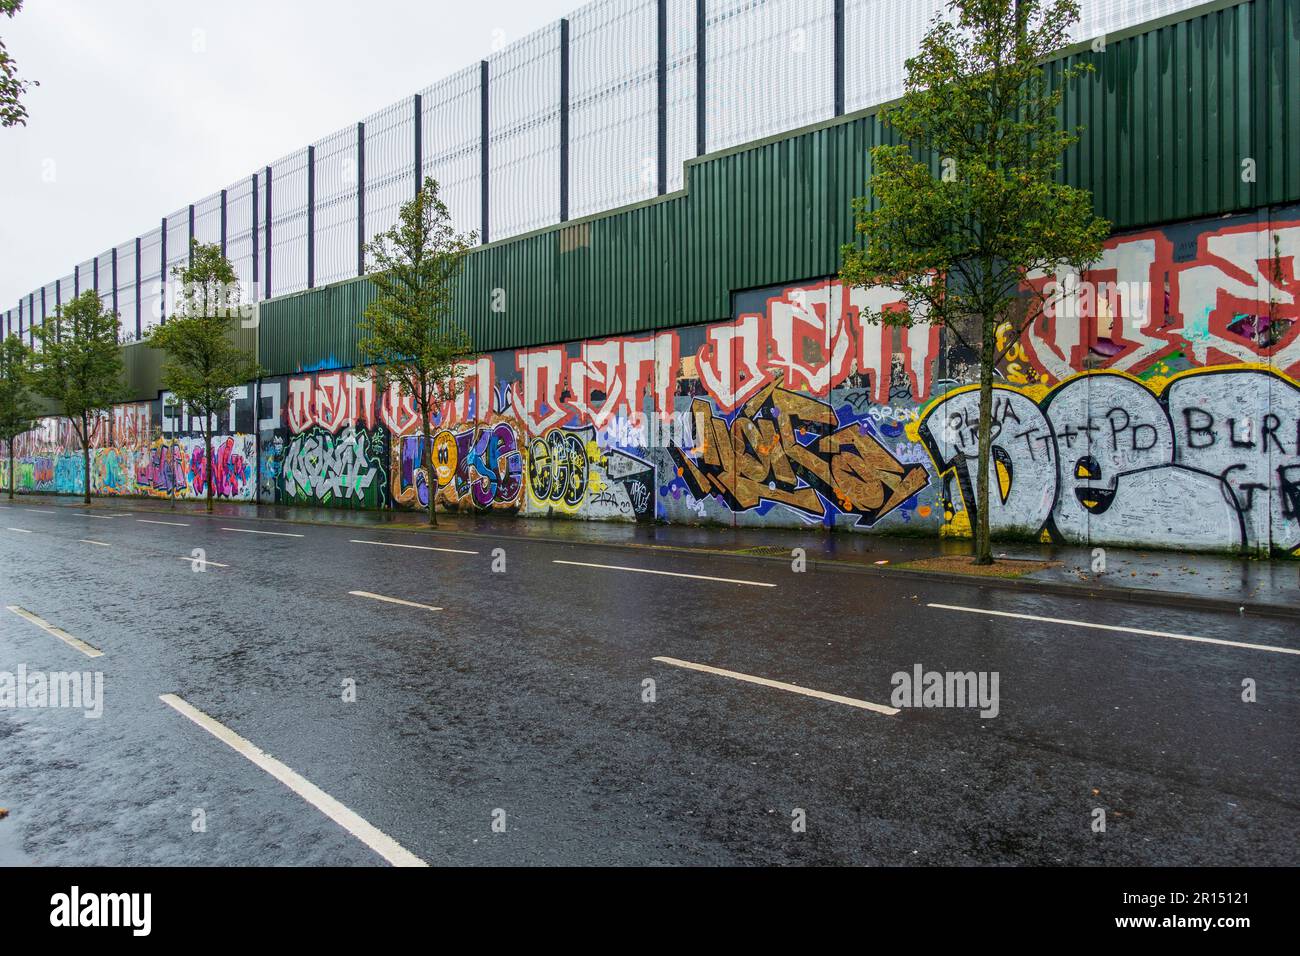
(139, 330)
(417, 108)
(189, 247)
(700, 75)
(223, 224)
(661, 98)
(483, 143)
(268, 232)
(162, 274)
(256, 247)
(311, 217)
(361, 197)
(564, 120)
(839, 57)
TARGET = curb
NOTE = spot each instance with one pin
(1150, 596)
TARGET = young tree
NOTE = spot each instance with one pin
(12, 111)
(407, 334)
(970, 208)
(79, 366)
(203, 365)
(17, 412)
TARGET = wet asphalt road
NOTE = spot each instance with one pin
(525, 695)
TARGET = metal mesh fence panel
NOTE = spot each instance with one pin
(289, 224)
(770, 66)
(126, 298)
(239, 234)
(681, 89)
(613, 105)
(151, 298)
(336, 206)
(451, 127)
(879, 36)
(524, 135)
(207, 220)
(390, 165)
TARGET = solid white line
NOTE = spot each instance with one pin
(173, 524)
(671, 574)
(20, 530)
(88, 541)
(367, 833)
(1127, 630)
(781, 685)
(211, 564)
(393, 600)
(58, 632)
(417, 547)
(278, 534)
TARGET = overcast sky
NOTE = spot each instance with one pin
(147, 105)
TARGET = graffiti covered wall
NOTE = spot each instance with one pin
(1157, 406)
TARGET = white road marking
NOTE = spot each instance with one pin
(393, 600)
(86, 514)
(278, 534)
(1126, 630)
(38, 511)
(20, 530)
(173, 524)
(58, 632)
(671, 574)
(417, 547)
(205, 561)
(367, 833)
(88, 541)
(781, 685)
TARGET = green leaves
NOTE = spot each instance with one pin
(12, 87)
(78, 363)
(408, 335)
(17, 411)
(204, 365)
(975, 195)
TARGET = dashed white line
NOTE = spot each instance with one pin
(781, 685)
(58, 632)
(393, 600)
(278, 534)
(86, 514)
(1127, 630)
(173, 524)
(101, 544)
(203, 561)
(38, 511)
(367, 833)
(417, 547)
(671, 574)
(20, 530)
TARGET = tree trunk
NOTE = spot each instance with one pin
(208, 469)
(431, 475)
(85, 456)
(983, 547)
(13, 469)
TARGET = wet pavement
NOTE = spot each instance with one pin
(1229, 582)
(543, 715)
